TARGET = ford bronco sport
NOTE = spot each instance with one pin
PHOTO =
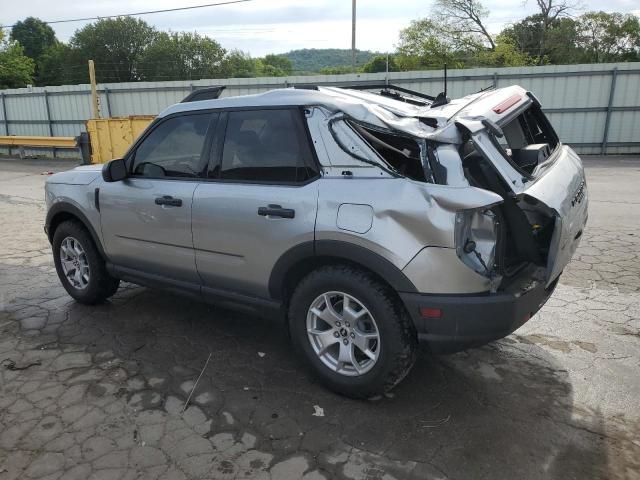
(371, 220)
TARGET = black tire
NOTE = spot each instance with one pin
(398, 339)
(101, 285)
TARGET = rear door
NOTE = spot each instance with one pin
(260, 199)
(146, 218)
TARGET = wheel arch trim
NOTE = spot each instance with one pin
(339, 250)
(71, 210)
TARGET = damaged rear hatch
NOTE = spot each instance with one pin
(498, 141)
(509, 147)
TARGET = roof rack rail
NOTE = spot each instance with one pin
(387, 87)
(205, 93)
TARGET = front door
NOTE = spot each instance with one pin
(146, 218)
(260, 199)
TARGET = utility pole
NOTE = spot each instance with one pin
(95, 101)
(353, 35)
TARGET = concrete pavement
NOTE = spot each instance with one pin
(98, 392)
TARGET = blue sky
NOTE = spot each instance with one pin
(266, 26)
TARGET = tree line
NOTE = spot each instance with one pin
(127, 49)
(457, 34)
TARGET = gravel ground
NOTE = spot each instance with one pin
(98, 392)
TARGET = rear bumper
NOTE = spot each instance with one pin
(472, 320)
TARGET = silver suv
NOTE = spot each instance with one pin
(372, 221)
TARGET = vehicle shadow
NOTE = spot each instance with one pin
(502, 411)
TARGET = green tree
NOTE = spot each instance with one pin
(34, 35)
(279, 65)
(379, 64)
(238, 64)
(455, 31)
(505, 54)
(338, 70)
(423, 43)
(550, 12)
(313, 60)
(16, 69)
(463, 22)
(559, 43)
(181, 56)
(116, 44)
(407, 63)
(609, 37)
(55, 66)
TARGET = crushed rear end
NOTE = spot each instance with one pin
(506, 203)
(502, 142)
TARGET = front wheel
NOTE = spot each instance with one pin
(80, 266)
(353, 332)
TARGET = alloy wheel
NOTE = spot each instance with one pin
(343, 333)
(75, 265)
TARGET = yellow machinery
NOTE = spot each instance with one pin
(111, 137)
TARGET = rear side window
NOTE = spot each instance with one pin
(174, 148)
(266, 146)
(403, 153)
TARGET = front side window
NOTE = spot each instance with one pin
(266, 146)
(174, 148)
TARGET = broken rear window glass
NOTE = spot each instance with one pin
(405, 154)
(528, 139)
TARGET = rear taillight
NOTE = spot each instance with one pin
(507, 104)
(429, 312)
(476, 235)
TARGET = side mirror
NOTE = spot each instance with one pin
(114, 171)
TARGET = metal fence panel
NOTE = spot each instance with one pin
(595, 107)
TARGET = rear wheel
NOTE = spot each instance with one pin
(354, 334)
(80, 266)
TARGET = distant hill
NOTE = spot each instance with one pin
(310, 60)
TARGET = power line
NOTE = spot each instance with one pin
(149, 12)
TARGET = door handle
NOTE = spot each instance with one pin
(169, 201)
(276, 211)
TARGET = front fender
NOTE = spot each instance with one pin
(63, 210)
